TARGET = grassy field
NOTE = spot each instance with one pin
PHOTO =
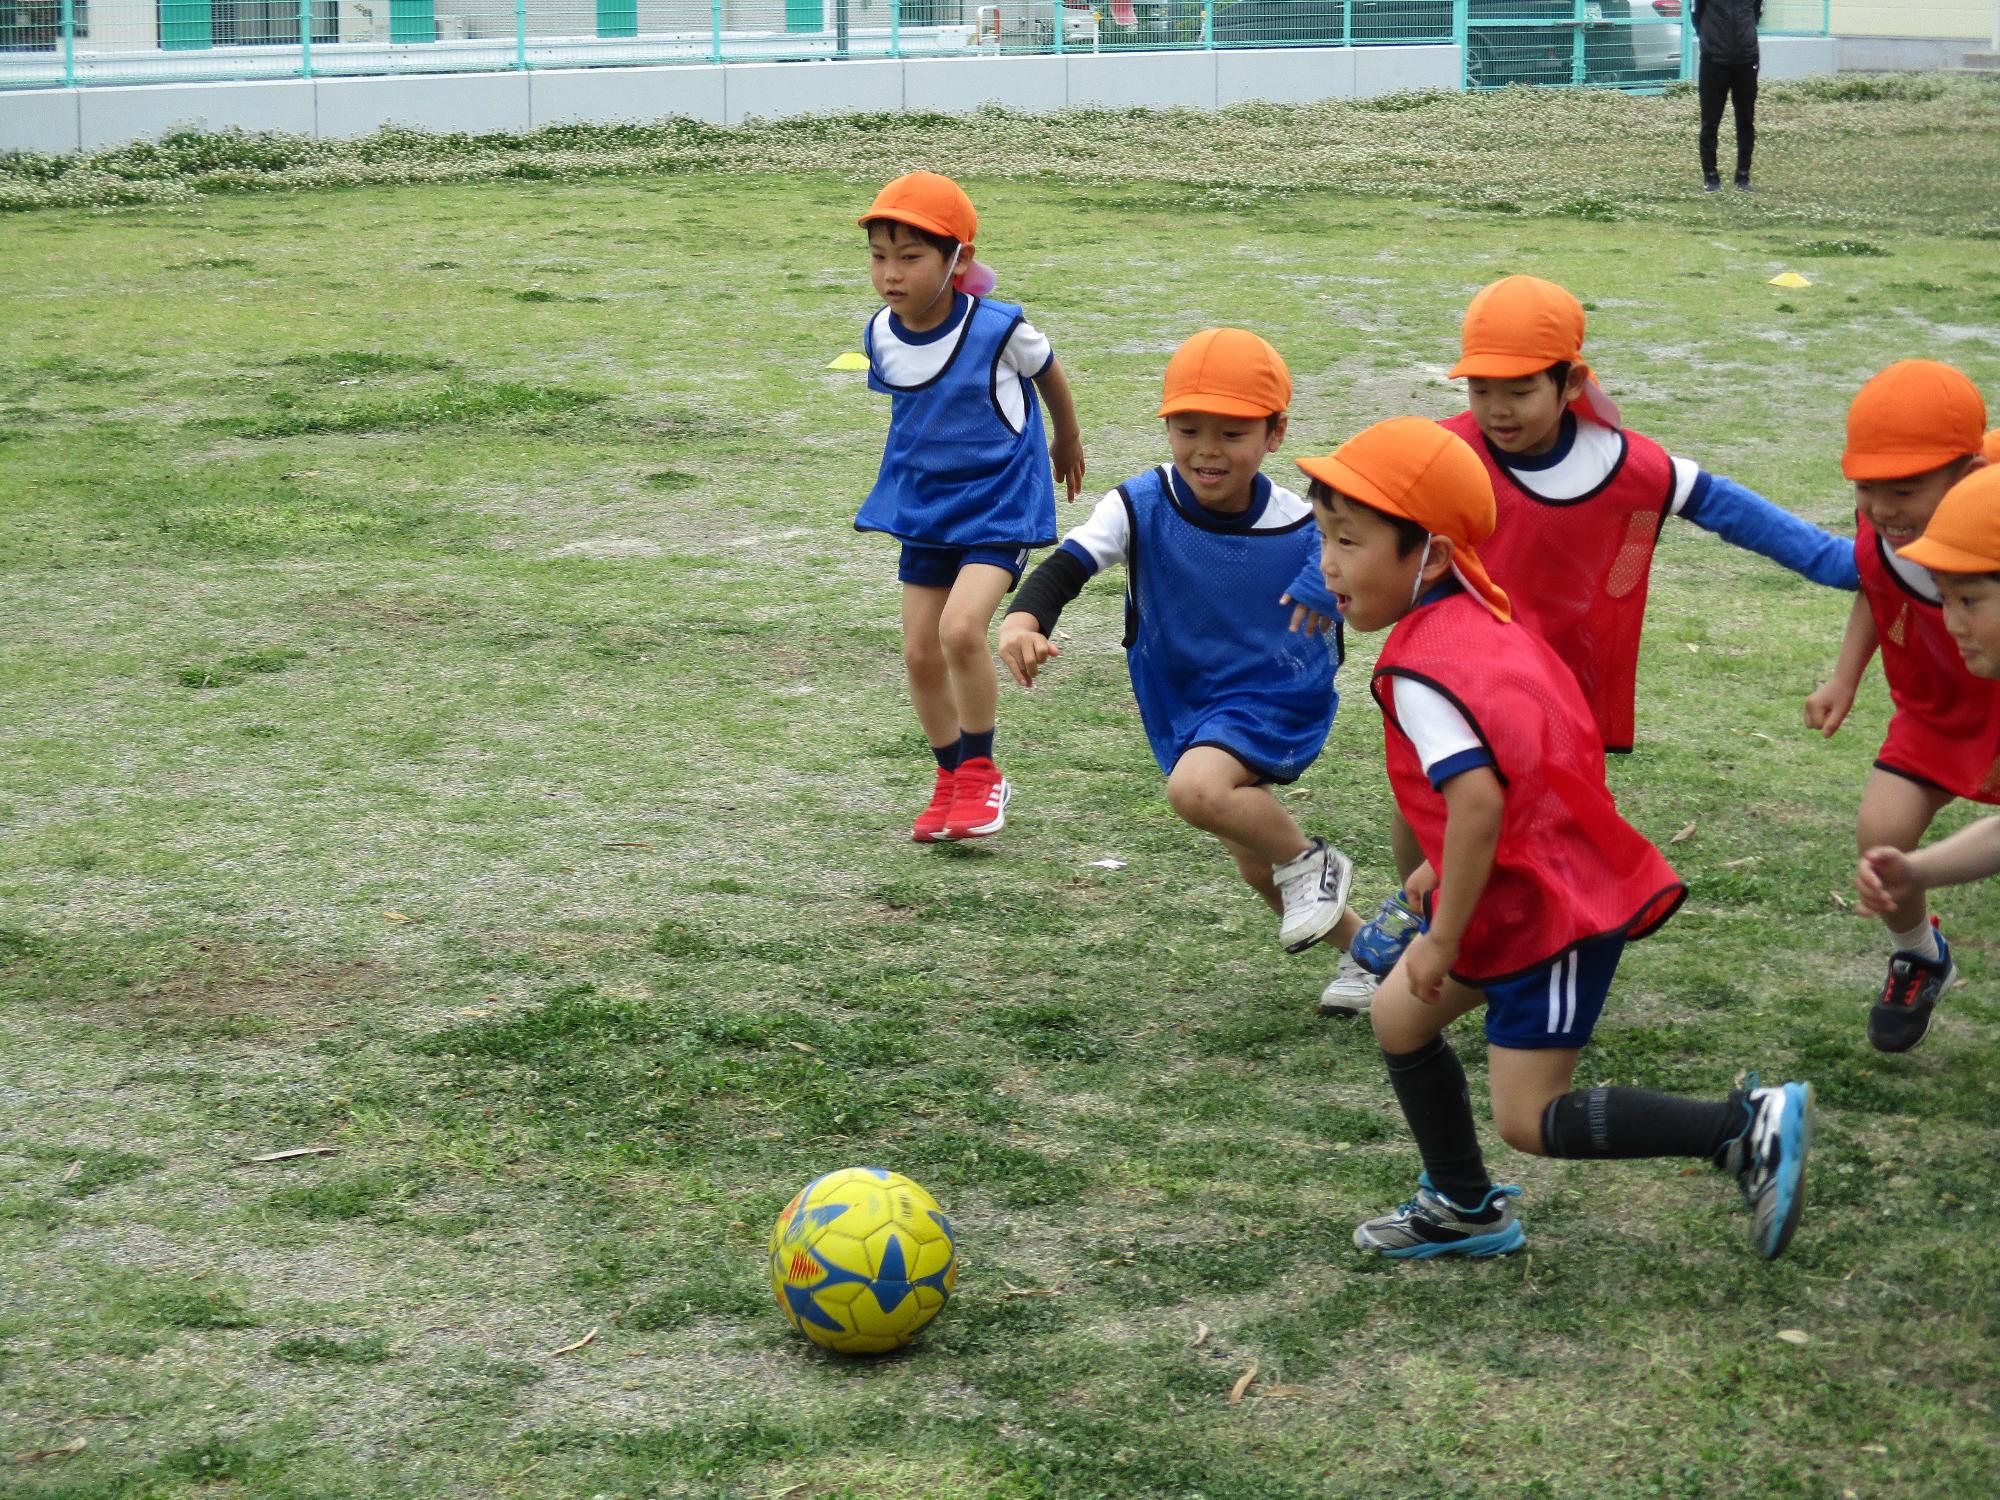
(446, 719)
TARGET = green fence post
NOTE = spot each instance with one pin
(1461, 31)
(305, 38)
(69, 43)
(715, 30)
(1579, 73)
(895, 28)
(1208, 24)
(521, 35)
(1347, 23)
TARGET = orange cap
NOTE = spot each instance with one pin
(1964, 531)
(1521, 325)
(1990, 449)
(1228, 371)
(1517, 326)
(927, 201)
(1915, 416)
(1414, 468)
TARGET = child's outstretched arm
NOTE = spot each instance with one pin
(1474, 803)
(1827, 706)
(1740, 515)
(1313, 608)
(1888, 877)
(1066, 442)
(1098, 543)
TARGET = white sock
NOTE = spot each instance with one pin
(1920, 940)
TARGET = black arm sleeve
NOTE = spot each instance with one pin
(1057, 579)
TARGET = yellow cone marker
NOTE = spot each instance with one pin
(848, 362)
(1789, 279)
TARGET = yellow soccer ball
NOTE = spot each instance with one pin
(861, 1260)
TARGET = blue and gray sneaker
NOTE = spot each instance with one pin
(1383, 937)
(1769, 1162)
(1431, 1225)
(1901, 1014)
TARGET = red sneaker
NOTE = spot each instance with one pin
(979, 803)
(929, 827)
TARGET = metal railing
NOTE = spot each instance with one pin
(75, 43)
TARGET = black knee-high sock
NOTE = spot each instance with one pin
(1430, 1085)
(1615, 1122)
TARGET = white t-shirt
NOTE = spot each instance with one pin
(907, 359)
(1432, 721)
(1588, 462)
(1916, 579)
(1107, 536)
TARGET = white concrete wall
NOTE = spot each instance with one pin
(56, 120)
(1797, 56)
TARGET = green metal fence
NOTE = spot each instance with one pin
(1633, 44)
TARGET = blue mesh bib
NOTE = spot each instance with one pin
(954, 474)
(1213, 661)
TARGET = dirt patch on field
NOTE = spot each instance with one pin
(234, 983)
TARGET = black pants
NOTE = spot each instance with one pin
(1721, 83)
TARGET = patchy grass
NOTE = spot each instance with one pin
(475, 745)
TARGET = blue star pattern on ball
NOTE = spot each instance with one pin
(808, 1222)
(800, 1298)
(861, 1260)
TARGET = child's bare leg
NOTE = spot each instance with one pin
(1524, 1083)
(962, 629)
(1896, 811)
(924, 660)
(1212, 790)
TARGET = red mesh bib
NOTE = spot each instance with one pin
(1946, 728)
(1577, 570)
(1568, 867)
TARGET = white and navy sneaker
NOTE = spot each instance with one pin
(1350, 992)
(1769, 1161)
(1314, 888)
(1430, 1225)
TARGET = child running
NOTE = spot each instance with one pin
(1498, 766)
(1913, 432)
(1581, 500)
(1232, 700)
(965, 483)
(1961, 548)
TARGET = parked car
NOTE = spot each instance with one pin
(1656, 37)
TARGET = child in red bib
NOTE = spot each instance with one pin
(1580, 500)
(1960, 548)
(1913, 432)
(1498, 768)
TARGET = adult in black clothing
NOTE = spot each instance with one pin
(1729, 59)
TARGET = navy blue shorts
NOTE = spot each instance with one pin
(937, 567)
(1555, 1006)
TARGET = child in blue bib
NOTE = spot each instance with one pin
(965, 483)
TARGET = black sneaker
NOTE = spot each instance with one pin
(1901, 1017)
(1711, 184)
(1743, 184)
